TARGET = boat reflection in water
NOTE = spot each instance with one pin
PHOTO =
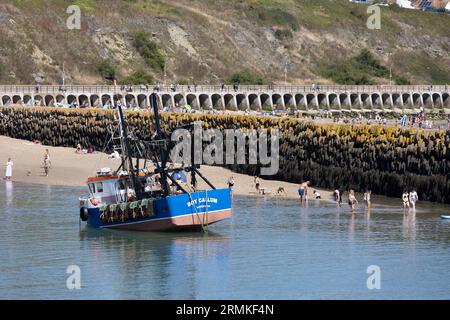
(175, 265)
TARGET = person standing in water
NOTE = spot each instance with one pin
(413, 198)
(367, 196)
(303, 190)
(8, 171)
(352, 202)
(405, 198)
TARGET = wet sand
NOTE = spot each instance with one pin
(71, 169)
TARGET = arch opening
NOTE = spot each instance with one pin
(205, 102)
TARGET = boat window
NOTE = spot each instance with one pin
(91, 188)
(99, 187)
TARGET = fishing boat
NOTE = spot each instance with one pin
(145, 193)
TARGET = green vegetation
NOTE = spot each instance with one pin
(107, 70)
(276, 17)
(361, 70)
(283, 34)
(183, 82)
(246, 77)
(138, 77)
(148, 49)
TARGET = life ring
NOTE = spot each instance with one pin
(84, 214)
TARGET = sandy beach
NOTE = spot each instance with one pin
(72, 169)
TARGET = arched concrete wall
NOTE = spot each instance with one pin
(344, 99)
(49, 101)
(313, 101)
(39, 100)
(242, 102)
(17, 99)
(6, 100)
(218, 102)
(334, 102)
(446, 100)
(355, 101)
(300, 101)
(230, 102)
(254, 102)
(417, 99)
(193, 101)
(205, 101)
(266, 101)
(278, 102)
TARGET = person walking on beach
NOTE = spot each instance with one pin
(8, 171)
(413, 198)
(405, 198)
(47, 162)
(352, 202)
(367, 196)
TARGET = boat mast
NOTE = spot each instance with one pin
(127, 159)
(162, 147)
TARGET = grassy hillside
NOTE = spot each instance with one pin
(207, 41)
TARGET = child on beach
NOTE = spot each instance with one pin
(8, 171)
(316, 194)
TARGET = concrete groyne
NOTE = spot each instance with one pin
(386, 160)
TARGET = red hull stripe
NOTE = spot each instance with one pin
(178, 222)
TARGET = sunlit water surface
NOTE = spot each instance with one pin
(270, 249)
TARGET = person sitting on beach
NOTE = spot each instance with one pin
(281, 191)
(405, 198)
(316, 194)
(352, 202)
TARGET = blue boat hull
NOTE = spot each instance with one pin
(177, 212)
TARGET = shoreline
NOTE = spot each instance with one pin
(71, 170)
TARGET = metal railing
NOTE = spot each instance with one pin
(105, 89)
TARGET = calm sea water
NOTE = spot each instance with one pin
(271, 249)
